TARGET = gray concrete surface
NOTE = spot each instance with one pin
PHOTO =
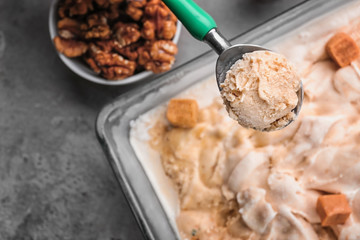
(55, 182)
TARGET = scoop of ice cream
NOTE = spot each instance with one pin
(260, 90)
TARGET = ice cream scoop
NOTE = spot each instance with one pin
(261, 90)
(203, 27)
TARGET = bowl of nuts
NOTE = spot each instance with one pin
(114, 42)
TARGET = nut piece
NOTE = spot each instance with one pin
(129, 51)
(91, 62)
(80, 7)
(115, 1)
(113, 11)
(157, 56)
(148, 30)
(69, 47)
(333, 209)
(70, 8)
(105, 45)
(116, 72)
(100, 32)
(113, 59)
(342, 49)
(126, 33)
(66, 23)
(168, 30)
(159, 22)
(182, 112)
(69, 28)
(163, 51)
(102, 3)
(95, 20)
(114, 66)
(134, 9)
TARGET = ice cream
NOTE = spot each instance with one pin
(260, 90)
(235, 183)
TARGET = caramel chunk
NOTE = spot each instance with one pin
(333, 209)
(342, 49)
(182, 112)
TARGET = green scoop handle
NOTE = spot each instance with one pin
(194, 18)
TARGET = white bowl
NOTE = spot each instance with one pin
(82, 69)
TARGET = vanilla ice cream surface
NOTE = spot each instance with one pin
(220, 181)
(260, 90)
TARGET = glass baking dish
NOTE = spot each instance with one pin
(114, 121)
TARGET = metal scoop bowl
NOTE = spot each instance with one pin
(203, 27)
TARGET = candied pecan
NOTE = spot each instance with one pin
(163, 51)
(157, 56)
(70, 8)
(144, 55)
(115, 1)
(129, 52)
(157, 9)
(69, 28)
(157, 66)
(80, 7)
(148, 30)
(112, 65)
(102, 3)
(168, 30)
(116, 72)
(69, 47)
(104, 59)
(159, 22)
(134, 9)
(101, 32)
(113, 11)
(106, 45)
(153, 2)
(62, 12)
(126, 33)
(84, 27)
(64, 6)
(66, 23)
(94, 50)
(95, 20)
(67, 34)
(97, 26)
(133, 12)
(91, 62)
(136, 3)
(110, 45)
